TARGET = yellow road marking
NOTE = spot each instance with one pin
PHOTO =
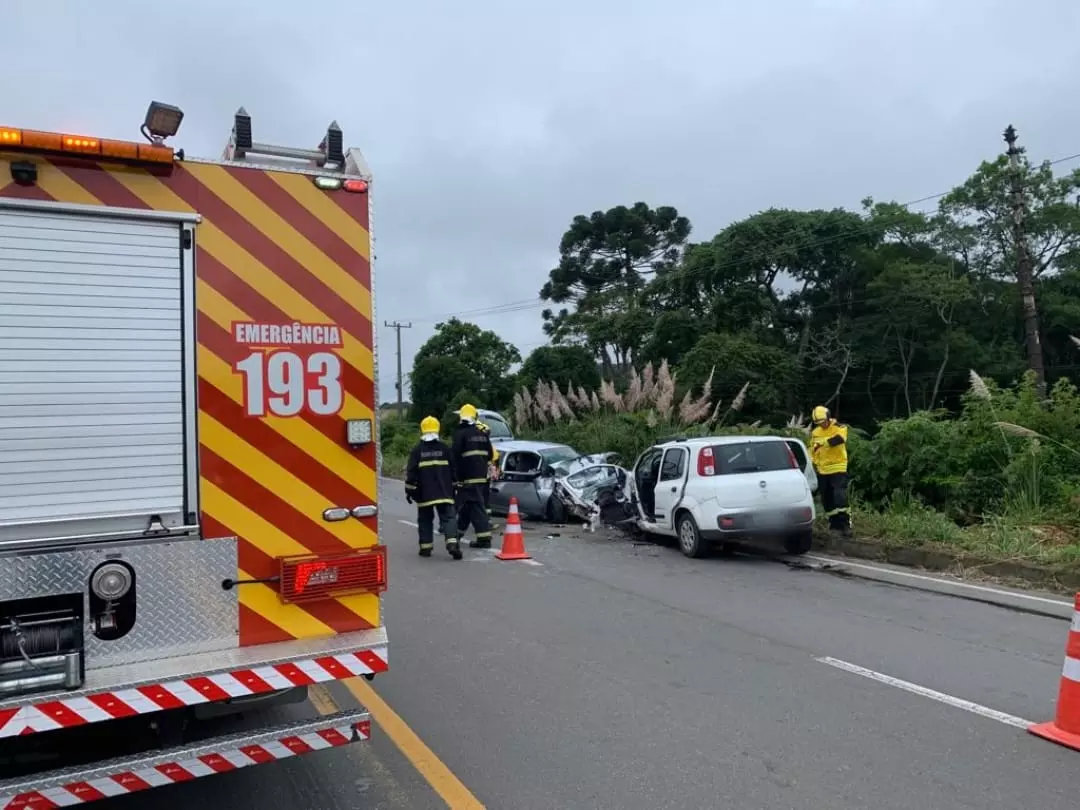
(322, 700)
(442, 780)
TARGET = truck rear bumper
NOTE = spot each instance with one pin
(66, 787)
(173, 683)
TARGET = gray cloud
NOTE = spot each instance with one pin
(490, 124)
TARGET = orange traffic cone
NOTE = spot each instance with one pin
(513, 547)
(1064, 729)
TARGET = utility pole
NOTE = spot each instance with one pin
(397, 326)
(1025, 271)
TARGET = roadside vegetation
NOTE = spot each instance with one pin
(881, 314)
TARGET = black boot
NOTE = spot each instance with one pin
(425, 551)
(481, 543)
(454, 547)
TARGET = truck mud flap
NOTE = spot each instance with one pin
(118, 777)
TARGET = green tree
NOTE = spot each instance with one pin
(737, 359)
(560, 365)
(604, 265)
(461, 356)
(981, 214)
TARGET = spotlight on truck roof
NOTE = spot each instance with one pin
(162, 121)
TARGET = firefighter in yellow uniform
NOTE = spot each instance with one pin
(828, 450)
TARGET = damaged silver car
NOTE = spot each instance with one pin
(596, 490)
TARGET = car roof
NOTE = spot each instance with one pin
(526, 444)
(699, 440)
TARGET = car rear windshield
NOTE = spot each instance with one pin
(751, 457)
(553, 455)
(498, 429)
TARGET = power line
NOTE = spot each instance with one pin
(539, 303)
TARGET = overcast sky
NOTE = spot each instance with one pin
(489, 125)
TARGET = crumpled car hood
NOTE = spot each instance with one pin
(595, 490)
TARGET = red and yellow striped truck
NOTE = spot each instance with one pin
(189, 462)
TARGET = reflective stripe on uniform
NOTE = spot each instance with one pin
(410, 486)
(436, 463)
(474, 453)
(474, 481)
(842, 510)
(434, 502)
(424, 546)
(483, 535)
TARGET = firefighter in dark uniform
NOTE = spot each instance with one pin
(470, 454)
(429, 483)
(828, 450)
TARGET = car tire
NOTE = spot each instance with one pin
(690, 542)
(800, 543)
(556, 512)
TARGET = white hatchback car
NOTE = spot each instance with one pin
(710, 490)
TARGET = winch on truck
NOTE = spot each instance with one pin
(189, 516)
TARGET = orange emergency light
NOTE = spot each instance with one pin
(29, 140)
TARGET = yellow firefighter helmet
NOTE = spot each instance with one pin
(468, 412)
(820, 415)
(429, 425)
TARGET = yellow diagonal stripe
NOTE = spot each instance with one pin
(246, 267)
(296, 431)
(272, 541)
(61, 187)
(294, 620)
(258, 531)
(301, 189)
(364, 605)
(293, 490)
(278, 230)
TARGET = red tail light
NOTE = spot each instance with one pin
(309, 578)
(705, 464)
(791, 456)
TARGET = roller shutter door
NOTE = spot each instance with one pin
(91, 371)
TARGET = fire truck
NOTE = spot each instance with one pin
(189, 522)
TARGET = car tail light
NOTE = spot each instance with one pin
(802, 514)
(309, 578)
(705, 464)
(791, 456)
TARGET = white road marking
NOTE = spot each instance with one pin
(951, 582)
(941, 697)
(409, 523)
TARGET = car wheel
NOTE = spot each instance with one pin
(690, 542)
(799, 543)
(556, 512)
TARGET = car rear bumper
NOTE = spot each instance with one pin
(751, 525)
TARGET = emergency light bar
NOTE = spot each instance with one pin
(311, 578)
(29, 140)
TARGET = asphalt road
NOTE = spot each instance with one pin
(615, 675)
